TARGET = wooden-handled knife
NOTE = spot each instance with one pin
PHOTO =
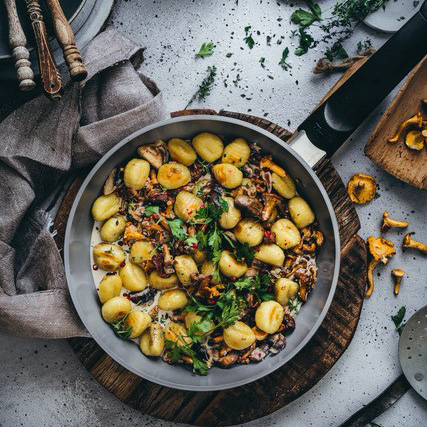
(65, 36)
(52, 83)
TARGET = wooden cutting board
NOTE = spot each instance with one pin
(260, 398)
(397, 159)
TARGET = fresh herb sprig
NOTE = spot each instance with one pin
(258, 285)
(305, 18)
(177, 229)
(177, 349)
(283, 62)
(207, 49)
(248, 37)
(205, 87)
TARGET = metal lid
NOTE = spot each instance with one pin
(413, 351)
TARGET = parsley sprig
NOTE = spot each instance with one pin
(258, 285)
(177, 350)
(207, 49)
(283, 62)
(305, 18)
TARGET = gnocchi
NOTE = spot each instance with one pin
(113, 229)
(300, 211)
(116, 309)
(138, 321)
(285, 290)
(136, 174)
(230, 267)
(239, 336)
(208, 146)
(173, 175)
(187, 205)
(228, 175)
(269, 316)
(250, 232)
(133, 277)
(109, 287)
(108, 257)
(142, 250)
(161, 283)
(284, 186)
(176, 332)
(181, 151)
(105, 207)
(287, 234)
(270, 254)
(173, 300)
(237, 153)
(230, 218)
(152, 342)
(185, 266)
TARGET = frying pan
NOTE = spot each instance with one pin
(320, 135)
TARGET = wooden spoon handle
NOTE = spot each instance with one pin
(52, 83)
(18, 43)
(65, 36)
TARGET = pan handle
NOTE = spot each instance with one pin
(329, 126)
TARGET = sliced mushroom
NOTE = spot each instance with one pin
(109, 186)
(156, 154)
(132, 233)
(252, 205)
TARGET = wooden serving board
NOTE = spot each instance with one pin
(262, 397)
(397, 159)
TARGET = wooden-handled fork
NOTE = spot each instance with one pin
(52, 83)
(18, 43)
(65, 36)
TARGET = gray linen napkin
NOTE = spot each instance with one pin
(40, 143)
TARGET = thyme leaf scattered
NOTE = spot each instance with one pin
(205, 87)
(283, 62)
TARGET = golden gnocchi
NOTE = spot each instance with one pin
(136, 174)
(105, 207)
(208, 146)
(228, 175)
(300, 211)
(181, 151)
(173, 175)
(108, 257)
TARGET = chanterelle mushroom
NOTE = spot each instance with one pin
(416, 121)
(270, 201)
(388, 223)
(156, 154)
(411, 243)
(415, 140)
(266, 162)
(381, 251)
(361, 188)
(397, 274)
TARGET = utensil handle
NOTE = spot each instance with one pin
(18, 43)
(65, 36)
(382, 402)
(52, 83)
(329, 126)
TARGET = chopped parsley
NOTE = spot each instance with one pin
(151, 210)
(207, 49)
(306, 41)
(305, 18)
(177, 229)
(258, 285)
(262, 62)
(191, 241)
(176, 351)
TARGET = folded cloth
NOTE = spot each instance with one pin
(40, 143)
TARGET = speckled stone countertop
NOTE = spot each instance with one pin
(43, 384)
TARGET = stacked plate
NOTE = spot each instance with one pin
(85, 16)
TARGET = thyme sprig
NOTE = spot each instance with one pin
(205, 87)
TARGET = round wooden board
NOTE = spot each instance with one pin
(270, 393)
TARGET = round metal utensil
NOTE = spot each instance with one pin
(413, 351)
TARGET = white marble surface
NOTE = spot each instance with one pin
(42, 383)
